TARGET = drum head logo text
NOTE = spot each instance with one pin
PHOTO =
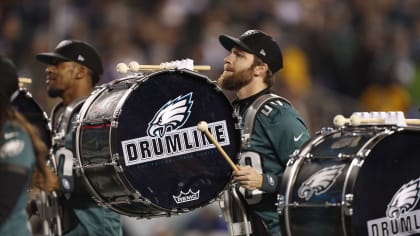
(167, 137)
(170, 116)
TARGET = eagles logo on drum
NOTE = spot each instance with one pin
(404, 200)
(171, 116)
(320, 182)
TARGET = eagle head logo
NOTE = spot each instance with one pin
(170, 116)
(320, 182)
(404, 200)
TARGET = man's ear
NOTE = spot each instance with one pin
(82, 72)
(260, 70)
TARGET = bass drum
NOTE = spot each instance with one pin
(24, 103)
(139, 149)
(353, 181)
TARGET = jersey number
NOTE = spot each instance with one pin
(252, 159)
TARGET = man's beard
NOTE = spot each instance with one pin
(53, 93)
(235, 80)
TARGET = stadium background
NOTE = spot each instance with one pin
(339, 56)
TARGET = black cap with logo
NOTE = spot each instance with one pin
(258, 43)
(77, 51)
(8, 78)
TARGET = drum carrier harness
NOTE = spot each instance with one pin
(231, 202)
(60, 126)
(57, 217)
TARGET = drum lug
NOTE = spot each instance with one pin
(295, 153)
(342, 156)
(348, 199)
(293, 158)
(359, 162)
(115, 157)
(114, 123)
(280, 204)
(325, 130)
(291, 161)
(308, 156)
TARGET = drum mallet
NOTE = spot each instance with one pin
(203, 127)
(340, 120)
(134, 66)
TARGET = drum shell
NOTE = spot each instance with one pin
(376, 162)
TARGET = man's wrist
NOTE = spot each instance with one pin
(269, 183)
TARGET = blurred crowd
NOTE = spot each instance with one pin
(340, 56)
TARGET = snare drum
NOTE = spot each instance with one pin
(30, 109)
(139, 149)
(353, 181)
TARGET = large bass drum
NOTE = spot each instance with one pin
(139, 149)
(353, 181)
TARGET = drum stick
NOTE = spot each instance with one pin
(340, 120)
(356, 120)
(412, 121)
(203, 127)
(159, 67)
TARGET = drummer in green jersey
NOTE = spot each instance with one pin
(72, 71)
(271, 128)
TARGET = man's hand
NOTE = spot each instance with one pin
(248, 177)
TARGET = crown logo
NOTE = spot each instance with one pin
(187, 197)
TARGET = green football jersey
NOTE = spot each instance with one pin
(16, 149)
(278, 131)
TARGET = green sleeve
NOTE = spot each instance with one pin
(16, 146)
(285, 130)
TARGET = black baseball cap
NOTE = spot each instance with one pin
(259, 44)
(8, 78)
(77, 51)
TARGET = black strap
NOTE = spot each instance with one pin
(252, 111)
(65, 116)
